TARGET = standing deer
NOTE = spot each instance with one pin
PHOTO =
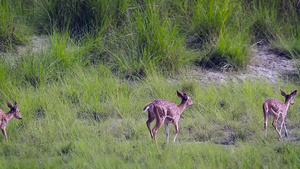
(278, 109)
(6, 117)
(165, 111)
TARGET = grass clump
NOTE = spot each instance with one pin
(13, 31)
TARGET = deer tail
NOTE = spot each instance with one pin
(147, 106)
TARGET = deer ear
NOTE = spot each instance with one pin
(185, 96)
(283, 93)
(179, 94)
(294, 93)
(16, 104)
(9, 105)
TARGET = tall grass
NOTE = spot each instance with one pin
(39, 68)
(135, 36)
(13, 31)
(277, 23)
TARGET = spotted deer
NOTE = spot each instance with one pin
(6, 117)
(278, 110)
(165, 111)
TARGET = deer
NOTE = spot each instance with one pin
(165, 111)
(6, 117)
(278, 110)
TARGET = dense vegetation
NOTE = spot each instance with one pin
(81, 96)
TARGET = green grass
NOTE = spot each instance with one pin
(81, 98)
(135, 37)
(92, 119)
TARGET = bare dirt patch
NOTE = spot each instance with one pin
(266, 64)
(270, 65)
(37, 44)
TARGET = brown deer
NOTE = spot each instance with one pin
(6, 117)
(165, 111)
(278, 109)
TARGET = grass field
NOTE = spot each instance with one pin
(82, 96)
(88, 120)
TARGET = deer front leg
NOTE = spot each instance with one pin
(4, 132)
(286, 133)
(281, 125)
(275, 125)
(176, 129)
(167, 131)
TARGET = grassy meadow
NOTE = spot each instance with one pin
(82, 95)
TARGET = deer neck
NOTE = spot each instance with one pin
(182, 106)
(287, 104)
(9, 116)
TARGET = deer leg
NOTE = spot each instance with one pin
(275, 126)
(266, 116)
(286, 133)
(176, 130)
(281, 124)
(148, 122)
(4, 132)
(167, 131)
(158, 124)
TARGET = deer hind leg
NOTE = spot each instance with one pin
(158, 124)
(149, 121)
(160, 115)
(167, 131)
(266, 116)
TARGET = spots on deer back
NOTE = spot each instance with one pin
(161, 111)
(162, 102)
(165, 104)
(276, 107)
(165, 108)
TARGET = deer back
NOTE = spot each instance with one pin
(276, 105)
(170, 107)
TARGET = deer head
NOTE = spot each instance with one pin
(289, 98)
(14, 110)
(185, 98)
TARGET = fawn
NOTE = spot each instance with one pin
(278, 109)
(6, 117)
(165, 111)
